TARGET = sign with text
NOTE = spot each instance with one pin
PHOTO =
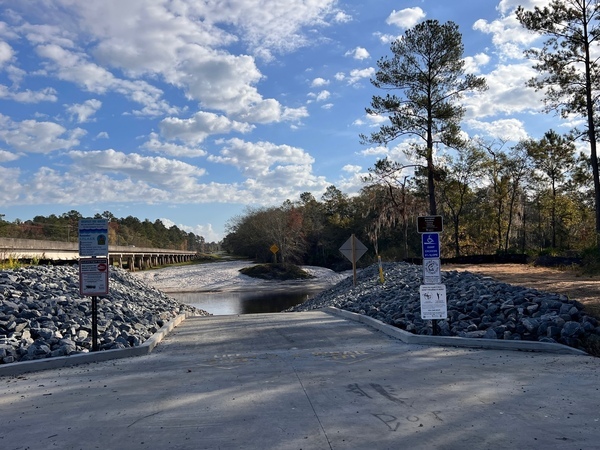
(430, 224)
(93, 237)
(433, 301)
(432, 273)
(93, 276)
(431, 245)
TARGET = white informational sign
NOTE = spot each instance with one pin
(93, 276)
(93, 237)
(432, 273)
(433, 301)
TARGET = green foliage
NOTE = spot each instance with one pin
(591, 261)
(427, 69)
(568, 67)
(276, 272)
(10, 261)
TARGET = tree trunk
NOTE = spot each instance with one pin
(592, 132)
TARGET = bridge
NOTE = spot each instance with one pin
(128, 257)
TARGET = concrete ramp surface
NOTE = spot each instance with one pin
(309, 380)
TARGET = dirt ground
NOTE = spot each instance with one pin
(570, 282)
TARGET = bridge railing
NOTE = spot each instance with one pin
(133, 258)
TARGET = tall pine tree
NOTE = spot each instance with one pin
(427, 69)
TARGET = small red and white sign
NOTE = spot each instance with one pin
(93, 276)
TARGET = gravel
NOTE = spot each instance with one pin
(478, 307)
(43, 315)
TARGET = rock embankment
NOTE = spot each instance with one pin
(43, 315)
(478, 307)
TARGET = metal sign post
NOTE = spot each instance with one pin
(94, 323)
(432, 292)
(353, 249)
(93, 266)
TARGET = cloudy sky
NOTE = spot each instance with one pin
(188, 111)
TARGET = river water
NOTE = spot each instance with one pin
(226, 303)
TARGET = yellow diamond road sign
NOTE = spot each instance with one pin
(274, 248)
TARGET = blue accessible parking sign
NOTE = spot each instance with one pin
(431, 245)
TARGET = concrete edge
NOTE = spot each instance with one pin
(455, 341)
(19, 368)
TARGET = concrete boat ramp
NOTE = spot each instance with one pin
(312, 380)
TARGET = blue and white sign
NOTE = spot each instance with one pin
(93, 237)
(431, 245)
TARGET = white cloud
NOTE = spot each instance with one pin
(396, 153)
(180, 42)
(206, 231)
(405, 18)
(505, 129)
(508, 36)
(386, 38)
(294, 114)
(272, 172)
(351, 168)
(322, 96)
(201, 125)
(359, 53)
(473, 64)
(509, 5)
(358, 75)
(28, 96)
(375, 151)
(507, 93)
(342, 17)
(160, 172)
(373, 120)
(318, 82)
(7, 156)
(257, 159)
(82, 112)
(102, 135)
(11, 190)
(6, 53)
(31, 136)
(154, 144)
(351, 182)
(74, 67)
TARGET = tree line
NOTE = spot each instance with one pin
(533, 197)
(127, 231)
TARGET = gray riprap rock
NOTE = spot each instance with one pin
(478, 306)
(43, 315)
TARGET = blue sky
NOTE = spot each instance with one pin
(189, 111)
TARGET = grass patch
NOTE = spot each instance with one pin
(277, 271)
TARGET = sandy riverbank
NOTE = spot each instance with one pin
(225, 277)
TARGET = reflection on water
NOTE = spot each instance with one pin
(224, 303)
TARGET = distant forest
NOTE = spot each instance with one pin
(493, 202)
(128, 231)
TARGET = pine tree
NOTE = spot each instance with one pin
(427, 67)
